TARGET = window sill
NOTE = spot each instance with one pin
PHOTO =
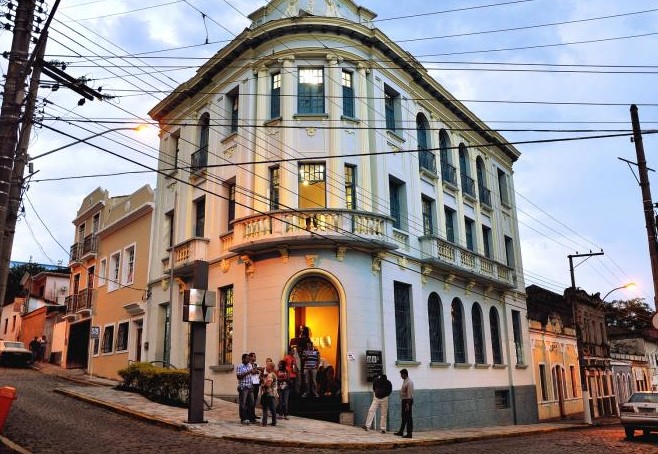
(521, 366)
(311, 116)
(439, 365)
(395, 135)
(486, 206)
(407, 363)
(462, 365)
(483, 366)
(428, 174)
(171, 173)
(452, 186)
(500, 366)
(226, 368)
(229, 136)
(351, 119)
(272, 121)
(470, 197)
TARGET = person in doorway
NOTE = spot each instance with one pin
(269, 393)
(244, 372)
(293, 367)
(311, 360)
(283, 382)
(407, 397)
(42, 349)
(382, 388)
(34, 348)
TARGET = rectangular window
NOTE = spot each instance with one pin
(226, 325)
(391, 108)
(91, 276)
(310, 91)
(486, 241)
(275, 96)
(174, 149)
(403, 329)
(509, 252)
(108, 339)
(96, 223)
(574, 381)
(350, 187)
(450, 223)
(312, 186)
(169, 221)
(231, 206)
(113, 274)
(102, 272)
(502, 399)
(96, 345)
(128, 276)
(81, 233)
(199, 217)
(542, 382)
(470, 234)
(428, 216)
(503, 188)
(122, 337)
(348, 94)
(274, 188)
(397, 202)
(233, 104)
(518, 338)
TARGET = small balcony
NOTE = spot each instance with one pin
(80, 302)
(310, 227)
(83, 249)
(427, 161)
(199, 160)
(185, 254)
(485, 196)
(449, 174)
(450, 257)
(468, 185)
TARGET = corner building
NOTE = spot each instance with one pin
(331, 183)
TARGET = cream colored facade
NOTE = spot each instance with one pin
(290, 164)
(123, 258)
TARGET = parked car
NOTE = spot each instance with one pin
(14, 353)
(640, 413)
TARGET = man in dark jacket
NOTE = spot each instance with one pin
(382, 388)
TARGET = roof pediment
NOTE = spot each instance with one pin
(286, 9)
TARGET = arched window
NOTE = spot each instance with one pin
(435, 318)
(468, 184)
(478, 334)
(494, 326)
(200, 157)
(448, 171)
(483, 188)
(458, 341)
(426, 157)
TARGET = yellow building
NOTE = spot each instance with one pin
(554, 355)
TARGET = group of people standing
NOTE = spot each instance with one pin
(382, 388)
(38, 349)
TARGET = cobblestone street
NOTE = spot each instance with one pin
(42, 421)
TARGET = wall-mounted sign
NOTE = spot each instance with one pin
(199, 305)
(95, 332)
(374, 364)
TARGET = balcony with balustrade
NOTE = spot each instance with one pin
(182, 256)
(312, 227)
(449, 174)
(79, 303)
(468, 186)
(444, 255)
(199, 160)
(427, 162)
(87, 248)
(485, 196)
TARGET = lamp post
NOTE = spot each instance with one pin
(629, 285)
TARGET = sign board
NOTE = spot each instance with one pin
(95, 332)
(374, 365)
(199, 306)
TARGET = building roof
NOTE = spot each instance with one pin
(542, 303)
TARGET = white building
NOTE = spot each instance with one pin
(330, 182)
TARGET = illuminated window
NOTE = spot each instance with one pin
(310, 91)
(312, 186)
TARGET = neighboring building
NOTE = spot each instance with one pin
(83, 264)
(591, 327)
(11, 319)
(554, 355)
(635, 357)
(331, 183)
(123, 259)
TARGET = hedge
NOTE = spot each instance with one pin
(166, 386)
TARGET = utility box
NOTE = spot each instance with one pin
(7, 397)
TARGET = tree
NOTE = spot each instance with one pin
(634, 314)
(16, 273)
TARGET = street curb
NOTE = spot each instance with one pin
(123, 410)
(11, 445)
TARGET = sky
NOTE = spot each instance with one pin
(535, 70)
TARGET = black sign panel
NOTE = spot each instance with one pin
(374, 365)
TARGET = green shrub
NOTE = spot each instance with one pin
(167, 386)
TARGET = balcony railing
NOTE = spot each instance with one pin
(468, 185)
(186, 253)
(485, 195)
(456, 258)
(76, 252)
(427, 161)
(199, 159)
(449, 173)
(265, 231)
(79, 301)
(90, 244)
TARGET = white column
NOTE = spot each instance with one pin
(335, 176)
(288, 170)
(365, 188)
(261, 171)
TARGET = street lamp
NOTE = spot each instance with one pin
(125, 128)
(629, 285)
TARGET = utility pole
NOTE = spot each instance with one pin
(16, 187)
(649, 218)
(12, 101)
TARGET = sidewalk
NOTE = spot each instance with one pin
(223, 421)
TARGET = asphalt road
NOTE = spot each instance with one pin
(43, 421)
